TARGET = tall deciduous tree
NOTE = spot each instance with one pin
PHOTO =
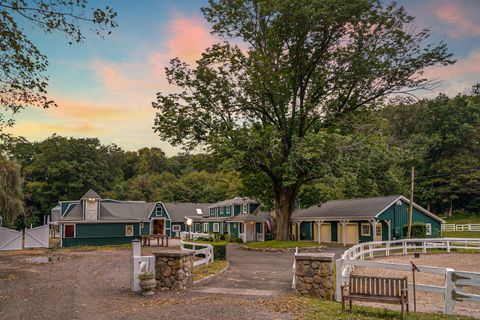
(23, 80)
(11, 197)
(305, 65)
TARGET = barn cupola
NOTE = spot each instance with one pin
(90, 204)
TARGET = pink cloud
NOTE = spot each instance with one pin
(462, 18)
(469, 66)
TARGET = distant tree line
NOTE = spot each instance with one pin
(440, 137)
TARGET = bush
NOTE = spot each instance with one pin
(219, 252)
(419, 230)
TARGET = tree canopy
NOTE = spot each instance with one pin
(270, 102)
(23, 79)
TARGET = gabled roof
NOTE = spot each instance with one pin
(248, 217)
(355, 208)
(179, 211)
(91, 195)
(236, 200)
(126, 210)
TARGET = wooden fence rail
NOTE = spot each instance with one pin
(454, 279)
(206, 250)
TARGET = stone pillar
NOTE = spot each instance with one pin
(314, 274)
(173, 269)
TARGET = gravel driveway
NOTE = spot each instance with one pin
(96, 285)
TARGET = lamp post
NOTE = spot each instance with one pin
(189, 224)
(397, 204)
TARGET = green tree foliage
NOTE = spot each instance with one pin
(65, 168)
(11, 197)
(307, 64)
(440, 137)
(22, 65)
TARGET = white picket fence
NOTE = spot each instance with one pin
(454, 280)
(460, 227)
(205, 249)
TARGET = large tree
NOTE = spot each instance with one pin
(302, 66)
(11, 197)
(23, 79)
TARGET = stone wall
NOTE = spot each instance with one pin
(173, 269)
(314, 274)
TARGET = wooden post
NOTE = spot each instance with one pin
(319, 235)
(449, 288)
(338, 280)
(410, 212)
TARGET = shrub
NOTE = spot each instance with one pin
(146, 276)
(219, 252)
(419, 230)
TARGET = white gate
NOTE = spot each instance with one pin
(10, 239)
(37, 237)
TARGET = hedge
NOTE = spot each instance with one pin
(219, 252)
(419, 230)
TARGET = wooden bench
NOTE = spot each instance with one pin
(392, 290)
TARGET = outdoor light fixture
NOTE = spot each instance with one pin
(189, 222)
(398, 203)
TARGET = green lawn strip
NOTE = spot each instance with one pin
(461, 234)
(204, 271)
(321, 309)
(281, 244)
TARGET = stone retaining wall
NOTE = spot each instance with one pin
(173, 269)
(300, 249)
(314, 274)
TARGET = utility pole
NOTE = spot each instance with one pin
(410, 212)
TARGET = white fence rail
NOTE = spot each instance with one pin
(205, 249)
(460, 227)
(194, 235)
(141, 264)
(454, 280)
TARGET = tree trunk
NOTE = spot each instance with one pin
(284, 206)
(450, 209)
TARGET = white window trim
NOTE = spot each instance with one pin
(428, 229)
(176, 228)
(369, 230)
(74, 230)
(205, 227)
(245, 208)
(216, 227)
(199, 229)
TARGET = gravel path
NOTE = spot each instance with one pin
(96, 285)
(433, 302)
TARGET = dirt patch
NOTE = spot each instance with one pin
(432, 302)
(96, 285)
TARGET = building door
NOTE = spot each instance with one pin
(378, 235)
(159, 226)
(351, 233)
(326, 233)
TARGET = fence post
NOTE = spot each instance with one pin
(370, 249)
(449, 288)
(338, 279)
(424, 244)
(388, 249)
(448, 245)
(136, 250)
(404, 247)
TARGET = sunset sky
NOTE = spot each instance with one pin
(104, 87)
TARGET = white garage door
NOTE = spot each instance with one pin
(351, 233)
(326, 233)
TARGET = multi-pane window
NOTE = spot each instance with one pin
(229, 210)
(366, 229)
(245, 208)
(216, 227)
(175, 228)
(205, 227)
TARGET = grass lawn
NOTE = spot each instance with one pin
(203, 271)
(320, 309)
(281, 244)
(461, 234)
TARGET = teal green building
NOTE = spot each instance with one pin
(360, 220)
(96, 221)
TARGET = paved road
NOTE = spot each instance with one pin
(255, 273)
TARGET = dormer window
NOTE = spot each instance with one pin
(245, 208)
